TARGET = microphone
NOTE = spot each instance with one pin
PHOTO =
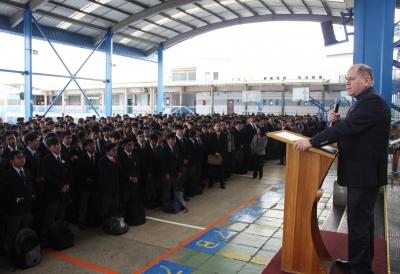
(337, 105)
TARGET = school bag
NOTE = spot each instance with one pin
(178, 196)
(115, 225)
(134, 213)
(27, 248)
(60, 237)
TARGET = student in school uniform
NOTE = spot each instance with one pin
(88, 175)
(57, 173)
(16, 192)
(109, 181)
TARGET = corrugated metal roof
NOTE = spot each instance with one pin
(143, 24)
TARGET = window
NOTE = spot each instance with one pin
(175, 76)
(74, 100)
(183, 76)
(207, 76)
(192, 76)
(215, 76)
(115, 100)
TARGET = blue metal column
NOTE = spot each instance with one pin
(108, 93)
(160, 86)
(28, 63)
(373, 40)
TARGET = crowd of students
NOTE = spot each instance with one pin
(49, 165)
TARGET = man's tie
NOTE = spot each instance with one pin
(217, 136)
(34, 155)
(97, 146)
(130, 156)
(58, 159)
(22, 176)
(92, 159)
(155, 152)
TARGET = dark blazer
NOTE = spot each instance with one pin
(6, 152)
(238, 138)
(33, 164)
(192, 153)
(3, 165)
(170, 162)
(12, 186)
(43, 150)
(183, 149)
(150, 162)
(200, 149)
(249, 133)
(103, 142)
(86, 169)
(66, 150)
(363, 141)
(269, 127)
(109, 177)
(56, 175)
(218, 145)
(129, 168)
(138, 150)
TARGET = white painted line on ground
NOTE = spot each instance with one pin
(175, 223)
(257, 177)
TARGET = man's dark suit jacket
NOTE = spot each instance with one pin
(56, 175)
(170, 162)
(129, 168)
(200, 149)
(192, 153)
(43, 150)
(249, 132)
(3, 166)
(33, 164)
(109, 176)
(6, 152)
(103, 142)
(363, 141)
(86, 169)
(150, 162)
(269, 127)
(238, 138)
(12, 186)
(216, 145)
(183, 149)
(138, 150)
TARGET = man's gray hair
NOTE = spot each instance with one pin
(364, 71)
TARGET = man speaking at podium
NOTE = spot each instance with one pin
(363, 146)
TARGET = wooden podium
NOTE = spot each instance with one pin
(303, 250)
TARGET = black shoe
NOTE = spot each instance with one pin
(82, 226)
(223, 187)
(260, 178)
(186, 199)
(254, 177)
(343, 264)
(210, 186)
(279, 164)
(3, 251)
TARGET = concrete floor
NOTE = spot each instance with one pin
(249, 251)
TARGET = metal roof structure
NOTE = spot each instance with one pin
(139, 27)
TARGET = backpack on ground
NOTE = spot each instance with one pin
(60, 237)
(115, 225)
(27, 248)
(134, 212)
(174, 207)
(178, 196)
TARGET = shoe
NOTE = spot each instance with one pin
(3, 251)
(223, 187)
(186, 199)
(254, 177)
(150, 206)
(343, 264)
(166, 210)
(260, 178)
(82, 226)
(44, 245)
(210, 186)
(279, 164)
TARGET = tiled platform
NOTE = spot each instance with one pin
(243, 243)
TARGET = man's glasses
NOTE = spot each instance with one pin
(19, 157)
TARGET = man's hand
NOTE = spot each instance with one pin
(39, 180)
(179, 175)
(302, 144)
(65, 188)
(19, 199)
(217, 155)
(167, 177)
(185, 162)
(149, 176)
(333, 117)
(134, 180)
(73, 158)
(89, 180)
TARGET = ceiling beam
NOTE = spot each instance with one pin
(136, 3)
(225, 7)
(19, 16)
(266, 6)
(246, 7)
(13, 4)
(208, 11)
(328, 12)
(161, 26)
(110, 7)
(177, 20)
(136, 38)
(191, 15)
(286, 6)
(305, 5)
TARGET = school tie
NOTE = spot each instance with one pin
(217, 136)
(34, 155)
(155, 152)
(92, 159)
(22, 176)
(97, 146)
(130, 156)
(58, 159)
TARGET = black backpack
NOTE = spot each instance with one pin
(115, 225)
(134, 212)
(60, 236)
(178, 197)
(27, 248)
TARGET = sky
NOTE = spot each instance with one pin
(278, 48)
